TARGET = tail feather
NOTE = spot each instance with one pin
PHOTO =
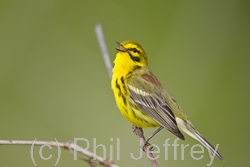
(189, 129)
(203, 141)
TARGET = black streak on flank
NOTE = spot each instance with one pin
(124, 85)
(118, 87)
(120, 92)
(124, 99)
(122, 80)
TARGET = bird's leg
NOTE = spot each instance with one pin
(150, 137)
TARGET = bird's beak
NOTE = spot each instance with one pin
(121, 47)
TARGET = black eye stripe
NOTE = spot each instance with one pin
(134, 50)
(134, 58)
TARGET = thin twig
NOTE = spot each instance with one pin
(72, 147)
(147, 148)
(102, 44)
(138, 131)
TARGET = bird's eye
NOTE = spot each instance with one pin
(135, 50)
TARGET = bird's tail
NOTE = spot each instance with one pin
(189, 129)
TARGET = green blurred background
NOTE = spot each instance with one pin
(54, 84)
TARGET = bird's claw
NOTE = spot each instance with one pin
(147, 146)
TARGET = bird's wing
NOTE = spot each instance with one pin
(152, 102)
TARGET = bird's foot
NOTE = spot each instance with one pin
(147, 146)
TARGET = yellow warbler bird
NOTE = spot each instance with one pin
(143, 100)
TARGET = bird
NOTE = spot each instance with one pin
(143, 100)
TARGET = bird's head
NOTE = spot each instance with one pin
(130, 55)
